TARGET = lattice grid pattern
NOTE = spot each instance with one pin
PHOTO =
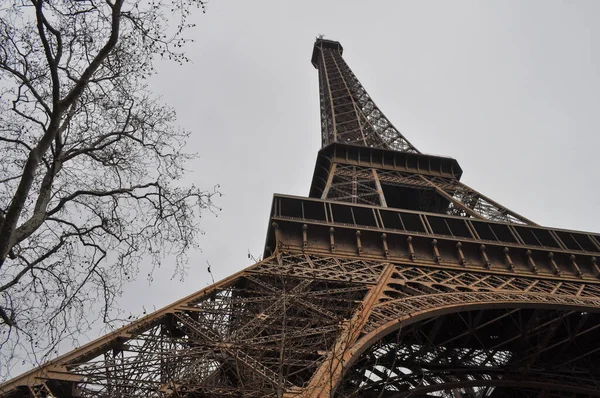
(348, 114)
(313, 321)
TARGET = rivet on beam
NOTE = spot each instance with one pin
(461, 254)
(332, 239)
(411, 249)
(574, 264)
(358, 243)
(385, 245)
(277, 234)
(530, 261)
(553, 264)
(304, 236)
(595, 265)
(509, 261)
(484, 256)
(436, 252)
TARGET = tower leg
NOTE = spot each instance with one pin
(329, 374)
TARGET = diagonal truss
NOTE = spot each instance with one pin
(348, 114)
(301, 324)
(452, 296)
(445, 195)
(255, 334)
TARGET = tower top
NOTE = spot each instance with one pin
(348, 114)
(321, 43)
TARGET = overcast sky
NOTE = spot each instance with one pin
(511, 89)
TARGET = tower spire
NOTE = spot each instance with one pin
(366, 160)
(348, 114)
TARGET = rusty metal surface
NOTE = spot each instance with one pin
(302, 323)
(394, 279)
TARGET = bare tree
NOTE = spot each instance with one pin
(89, 162)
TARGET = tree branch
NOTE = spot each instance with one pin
(99, 58)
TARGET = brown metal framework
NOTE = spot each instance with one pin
(348, 114)
(394, 279)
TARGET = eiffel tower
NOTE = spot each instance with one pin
(392, 279)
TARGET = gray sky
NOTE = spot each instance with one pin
(511, 89)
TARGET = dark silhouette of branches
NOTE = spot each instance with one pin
(90, 161)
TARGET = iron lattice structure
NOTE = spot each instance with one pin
(392, 279)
